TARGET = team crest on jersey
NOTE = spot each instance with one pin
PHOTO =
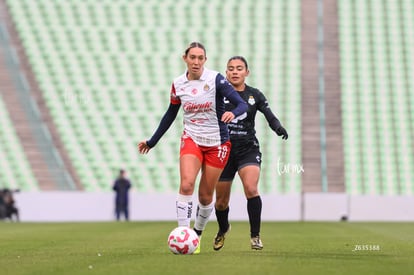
(206, 88)
(251, 100)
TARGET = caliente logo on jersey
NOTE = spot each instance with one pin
(191, 107)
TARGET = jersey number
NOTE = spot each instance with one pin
(222, 152)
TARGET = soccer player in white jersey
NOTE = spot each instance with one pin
(205, 143)
(245, 157)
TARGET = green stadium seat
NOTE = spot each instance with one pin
(377, 163)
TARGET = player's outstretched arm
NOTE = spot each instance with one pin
(165, 123)
(271, 118)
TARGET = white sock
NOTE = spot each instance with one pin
(184, 207)
(203, 215)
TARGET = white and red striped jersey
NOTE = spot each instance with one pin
(202, 101)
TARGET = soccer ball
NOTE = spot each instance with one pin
(183, 240)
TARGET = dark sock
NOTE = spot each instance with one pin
(223, 219)
(254, 209)
(199, 232)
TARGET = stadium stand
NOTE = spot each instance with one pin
(377, 95)
(28, 115)
(105, 71)
(15, 170)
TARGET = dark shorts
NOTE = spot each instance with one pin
(240, 158)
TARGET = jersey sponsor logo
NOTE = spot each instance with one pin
(198, 121)
(191, 107)
(240, 133)
(194, 91)
(226, 101)
(240, 117)
(235, 126)
(251, 100)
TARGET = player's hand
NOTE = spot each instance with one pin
(143, 147)
(227, 117)
(282, 132)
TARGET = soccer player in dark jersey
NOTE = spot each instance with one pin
(205, 142)
(245, 156)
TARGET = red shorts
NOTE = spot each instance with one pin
(216, 156)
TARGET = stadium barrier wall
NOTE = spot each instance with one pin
(77, 206)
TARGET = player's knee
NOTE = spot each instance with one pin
(186, 188)
(222, 202)
(251, 192)
(205, 199)
(220, 205)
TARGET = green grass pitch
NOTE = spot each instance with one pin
(141, 248)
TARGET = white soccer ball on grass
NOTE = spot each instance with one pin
(183, 240)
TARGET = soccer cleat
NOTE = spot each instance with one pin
(197, 251)
(256, 243)
(219, 239)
